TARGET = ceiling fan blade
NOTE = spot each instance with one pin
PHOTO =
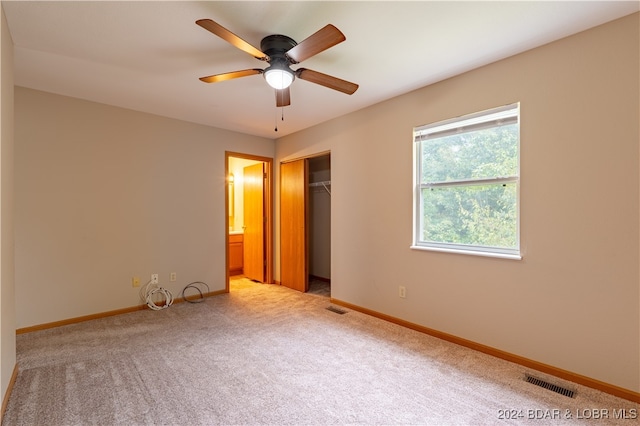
(230, 37)
(283, 97)
(323, 39)
(327, 81)
(230, 75)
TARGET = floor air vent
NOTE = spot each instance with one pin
(336, 310)
(550, 386)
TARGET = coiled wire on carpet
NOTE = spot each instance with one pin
(195, 285)
(147, 296)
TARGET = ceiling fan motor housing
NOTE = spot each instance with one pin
(275, 46)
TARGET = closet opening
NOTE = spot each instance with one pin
(305, 224)
(320, 225)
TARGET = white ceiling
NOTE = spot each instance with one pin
(147, 55)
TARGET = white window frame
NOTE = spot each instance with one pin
(484, 119)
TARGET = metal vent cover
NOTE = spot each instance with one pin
(549, 386)
(336, 310)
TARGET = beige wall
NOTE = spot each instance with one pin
(104, 194)
(7, 305)
(573, 301)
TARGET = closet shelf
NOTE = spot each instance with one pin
(325, 184)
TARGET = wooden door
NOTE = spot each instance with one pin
(293, 225)
(253, 195)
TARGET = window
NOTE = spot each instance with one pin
(467, 184)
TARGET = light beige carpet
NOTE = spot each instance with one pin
(319, 287)
(264, 354)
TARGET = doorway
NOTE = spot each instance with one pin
(305, 224)
(249, 223)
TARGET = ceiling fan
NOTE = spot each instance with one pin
(281, 52)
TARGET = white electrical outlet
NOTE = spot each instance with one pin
(154, 278)
(173, 276)
(402, 291)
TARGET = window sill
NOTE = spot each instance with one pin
(470, 252)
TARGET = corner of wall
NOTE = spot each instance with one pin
(7, 300)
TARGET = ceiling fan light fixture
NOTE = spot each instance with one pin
(278, 78)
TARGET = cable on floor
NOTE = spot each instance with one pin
(195, 285)
(149, 292)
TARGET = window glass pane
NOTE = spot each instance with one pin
(481, 215)
(479, 154)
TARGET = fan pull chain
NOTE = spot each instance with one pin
(276, 119)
